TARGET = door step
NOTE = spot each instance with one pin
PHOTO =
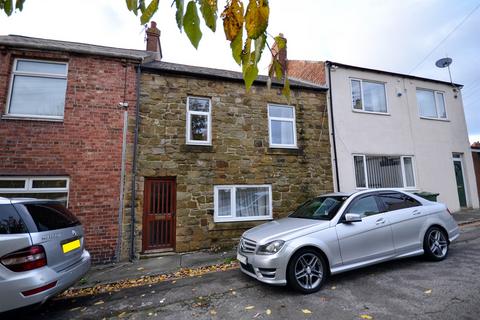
(157, 253)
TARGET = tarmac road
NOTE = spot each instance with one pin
(403, 289)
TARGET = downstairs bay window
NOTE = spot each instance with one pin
(380, 171)
(242, 203)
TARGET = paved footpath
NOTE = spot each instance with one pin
(403, 289)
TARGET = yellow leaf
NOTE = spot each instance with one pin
(140, 268)
(121, 314)
(366, 316)
(98, 302)
(306, 311)
(428, 291)
(249, 307)
(174, 281)
(333, 288)
(213, 312)
(232, 19)
(268, 312)
(256, 18)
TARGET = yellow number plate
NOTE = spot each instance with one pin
(67, 247)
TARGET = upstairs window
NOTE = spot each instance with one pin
(38, 89)
(431, 104)
(199, 121)
(281, 126)
(54, 188)
(384, 171)
(368, 96)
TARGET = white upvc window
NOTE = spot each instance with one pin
(368, 96)
(37, 89)
(431, 104)
(382, 171)
(242, 203)
(281, 126)
(55, 188)
(199, 121)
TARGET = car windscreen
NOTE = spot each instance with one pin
(51, 216)
(321, 208)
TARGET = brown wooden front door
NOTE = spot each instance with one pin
(159, 208)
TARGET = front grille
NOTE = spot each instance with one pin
(247, 245)
(248, 267)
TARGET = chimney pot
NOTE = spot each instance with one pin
(153, 40)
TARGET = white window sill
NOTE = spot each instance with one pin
(282, 146)
(217, 219)
(195, 143)
(434, 119)
(31, 118)
(371, 112)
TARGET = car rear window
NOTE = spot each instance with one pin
(51, 216)
(10, 221)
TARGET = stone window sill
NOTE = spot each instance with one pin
(196, 148)
(285, 152)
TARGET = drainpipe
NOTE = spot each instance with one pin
(333, 126)
(134, 167)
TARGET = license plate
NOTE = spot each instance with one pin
(70, 246)
(242, 259)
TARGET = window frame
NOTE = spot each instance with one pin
(15, 73)
(201, 113)
(386, 113)
(402, 165)
(232, 217)
(436, 104)
(28, 186)
(292, 120)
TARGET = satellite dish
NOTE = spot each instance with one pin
(444, 62)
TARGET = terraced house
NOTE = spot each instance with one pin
(214, 160)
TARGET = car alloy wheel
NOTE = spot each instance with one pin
(307, 271)
(436, 244)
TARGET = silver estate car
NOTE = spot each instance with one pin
(339, 232)
(41, 251)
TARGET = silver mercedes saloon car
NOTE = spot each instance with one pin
(41, 251)
(339, 232)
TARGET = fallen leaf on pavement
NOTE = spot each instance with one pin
(256, 315)
(333, 288)
(122, 314)
(140, 269)
(173, 282)
(306, 311)
(98, 302)
(428, 291)
(213, 312)
(249, 307)
(74, 309)
(366, 316)
(162, 301)
(268, 312)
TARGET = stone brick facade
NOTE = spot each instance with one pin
(240, 153)
(86, 146)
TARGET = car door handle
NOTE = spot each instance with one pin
(380, 221)
(416, 212)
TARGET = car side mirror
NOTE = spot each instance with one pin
(353, 217)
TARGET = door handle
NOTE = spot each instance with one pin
(416, 212)
(380, 221)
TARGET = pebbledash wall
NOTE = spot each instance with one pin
(86, 145)
(239, 153)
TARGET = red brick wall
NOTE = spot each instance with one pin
(86, 146)
(476, 166)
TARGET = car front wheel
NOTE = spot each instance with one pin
(307, 271)
(435, 244)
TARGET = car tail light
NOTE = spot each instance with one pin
(26, 259)
(39, 289)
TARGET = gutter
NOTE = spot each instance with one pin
(134, 168)
(333, 126)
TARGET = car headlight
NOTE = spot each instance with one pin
(271, 247)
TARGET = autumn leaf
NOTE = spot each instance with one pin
(256, 18)
(251, 73)
(213, 312)
(148, 13)
(98, 302)
(259, 46)
(268, 312)
(208, 8)
(306, 311)
(366, 316)
(249, 307)
(19, 4)
(236, 46)
(132, 5)
(179, 14)
(191, 24)
(286, 88)
(429, 291)
(233, 19)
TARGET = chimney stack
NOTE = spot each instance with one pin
(281, 54)
(153, 40)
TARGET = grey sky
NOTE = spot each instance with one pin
(382, 34)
